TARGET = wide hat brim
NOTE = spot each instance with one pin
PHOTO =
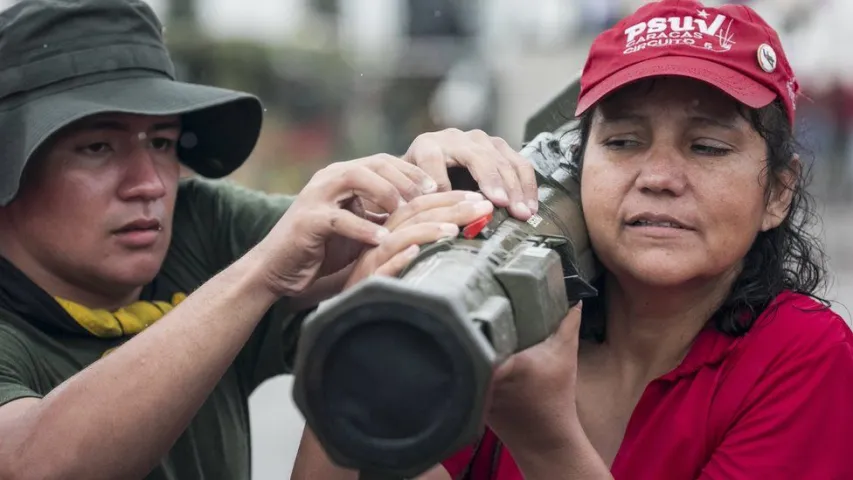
(220, 126)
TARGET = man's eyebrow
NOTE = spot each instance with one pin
(167, 126)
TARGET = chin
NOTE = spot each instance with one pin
(657, 269)
(138, 270)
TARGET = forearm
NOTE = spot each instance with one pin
(313, 463)
(574, 459)
(119, 416)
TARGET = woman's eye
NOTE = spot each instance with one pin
(621, 143)
(711, 150)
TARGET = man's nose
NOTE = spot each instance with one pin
(142, 178)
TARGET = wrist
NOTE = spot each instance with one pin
(252, 270)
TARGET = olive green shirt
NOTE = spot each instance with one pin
(215, 223)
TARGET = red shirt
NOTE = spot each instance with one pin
(776, 403)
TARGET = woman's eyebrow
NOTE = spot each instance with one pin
(712, 121)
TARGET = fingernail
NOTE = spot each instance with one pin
(522, 209)
(381, 233)
(429, 186)
(412, 251)
(449, 229)
(499, 195)
(484, 207)
(533, 205)
(474, 197)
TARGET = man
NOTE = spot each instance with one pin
(138, 311)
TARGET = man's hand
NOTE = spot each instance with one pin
(426, 219)
(326, 228)
(503, 175)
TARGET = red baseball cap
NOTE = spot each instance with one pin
(730, 47)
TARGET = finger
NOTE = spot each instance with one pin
(377, 218)
(525, 172)
(429, 202)
(409, 179)
(393, 254)
(388, 167)
(398, 262)
(486, 171)
(355, 179)
(419, 234)
(418, 175)
(429, 156)
(568, 331)
(349, 225)
(510, 182)
(460, 214)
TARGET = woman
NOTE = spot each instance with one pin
(708, 355)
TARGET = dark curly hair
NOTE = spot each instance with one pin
(788, 257)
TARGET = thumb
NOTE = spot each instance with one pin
(569, 330)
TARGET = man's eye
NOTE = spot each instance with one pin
(162, 144)
(98, 148)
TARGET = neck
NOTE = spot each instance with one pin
(91, 294)
(650, 330)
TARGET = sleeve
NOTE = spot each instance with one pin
(234, 219)
(457, 465)
(796, 423)
(475, 461)
(17, 368)
(241, 217)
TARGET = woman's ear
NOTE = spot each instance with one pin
(781, 195)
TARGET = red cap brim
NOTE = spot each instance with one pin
(739, 86)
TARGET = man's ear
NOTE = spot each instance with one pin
(781, 195)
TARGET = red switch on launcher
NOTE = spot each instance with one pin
(474, 228)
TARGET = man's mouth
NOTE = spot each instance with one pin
(140, 226)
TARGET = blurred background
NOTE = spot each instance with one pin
(348, 78)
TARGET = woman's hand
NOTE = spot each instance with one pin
(533, 400)
(425, 219)
(533, 409)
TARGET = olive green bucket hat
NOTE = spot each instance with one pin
(64, 60)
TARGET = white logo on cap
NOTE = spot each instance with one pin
(767, 58)
(695, 32)
(792, 93)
